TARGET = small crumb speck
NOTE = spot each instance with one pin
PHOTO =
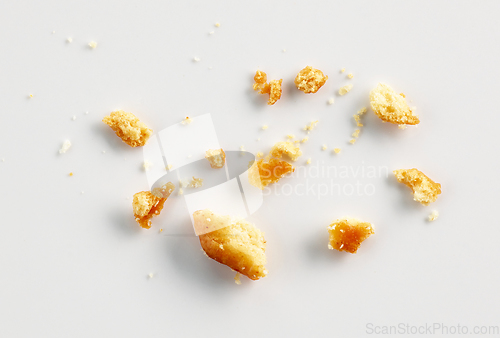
(93, 44)
(150, 276)
(30, 96)
(433, 216)
(69, 40)
(146, 165)
(104, 151)
(342, 70)
(211, 32)
(284, 50)
(324, 147)
(53, 32)
(217, 24)
(83, 192)
(331, 101)
(74, 117)
(86, 113)
(264, 127)
(350, 76)
(196, 59)
(336, 150)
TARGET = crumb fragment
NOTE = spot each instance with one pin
(264, 127)
(146, 165)
(242, 148)
(74, 117)
(391, 107)
(196, 59)
(30, 96)
(148, 204)
(187, 121)
(424, 189)
(336, 150)
(290, 136)
(181, 191)
(356, 133)
(286, 148)
(217, 24)
(259, 154)
(347, 234)
(70, 174)
(69, 40)
(244, 244)
(352, 141)
(216, 157)
(196, 182)
(308, 161)
(350, 76)
(311, 126)
(66, 145)
(324, 147)
(273, 88)
(345, 89)
(331, 101)
(264, 172)
(433, 216)
(237, 278)
(305, 139)
(150, 276)
(93, 44)
(402, 126)
(342, 70)
(128, 127)
(169, 167)
(310, 80)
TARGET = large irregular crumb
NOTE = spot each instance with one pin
(216, 158)
(347, 234)
(66, 145)
(286, 148)
(433, 216)
(345, 89)
(196, 182)
(148, 204)
(273, 88)
(391, 107)
(262, 172)
(424, 189)
(308, 161)
(236, 243)
(310, 80)
(128, 127)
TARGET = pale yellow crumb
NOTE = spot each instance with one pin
(150, 275)
(161, 230)
(237, 278)
(259, 154)
(168, 167)
(331, 101)
(211, 32)
(264, 127)
(216, 158)
(69, 40)
(183, 183)
(146, 165)
(402, 126)
(92, 44)
(187, 120)
(290, 136)
(345, 89)
(308, 161)
(357, 116)
(433, 216)
(350, 76)
(324, 147)
(196, 59)
(342, 70)
(311, 126)
(217, 24)
(392, 107)
(352, 141)
(305, 139)
(356, 133)
(66, 145)
(181, 192)
(196, 182)
(74, 117)
(70, 174)
(337, 150)
(258, 138)
(310, 80)
(31, 96)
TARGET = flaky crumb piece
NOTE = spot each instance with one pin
(424, 189)
(216, 158)
(128, 127)
(65, 146)
(345, 89)
(237, 278)
(244, 245)
(310, 80)
(264, 127)
(266, 171)
(169, 167)
(356, 133)
(290, 136)
(146, 165)
(342, 70)
(286, 148)
(305, 139)
(402, 126)
(196, 182)
(148, 204)
(336, 150)
(347, 234)
(259, 154)
(433, 216)
(324, 147)
(391, 107)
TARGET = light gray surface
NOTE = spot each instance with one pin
(76, 264)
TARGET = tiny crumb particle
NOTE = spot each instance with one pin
(86, 113)
(69, 40)
(330, 247)
(345, 89)
(196, 59)
(30, 96)
(342, 70)
(70, 174)
(217, 24)
(181, 191)
(150, 275)
(284, 50)
(311, 126)
(161, 230)
(402, 126)
(308, 161)
(331, 101)
(168, 167)
(83, 192)
(237, 278)
(336, 150)
(264, 127)
(324, 147)
(350, 76)
(187, 121)
(66, 145)
(352, 141)
(433, 216)
(146, 165)
(93, 44)
(356, 133)
(290, 136)
(53, 32)
(3, 159)
(104, 151)
(211, 32)
(259, 154)
(304, 140)
(196, 182)
(258, 138)
(74, 117)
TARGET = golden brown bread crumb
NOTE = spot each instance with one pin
(433, 216)
(346, 234)
(147, 204)
(286, 148)
(264, 172)
(310, 80)
(345, 89)
(216, 158)
(128, 127)
(237, 243)
(356, 133)
(391, 107)
(273, 88)
(424, 189)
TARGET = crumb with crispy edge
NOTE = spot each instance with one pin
(424, 189)
(347, 234)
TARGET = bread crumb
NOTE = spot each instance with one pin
(128, 127)
(357, 116)
(183, 183)
(391, 107)
(266, 171)
(53, 32)
(104, 151)
(242, 148)
(237, 278)
(217, 24)
(402, 126)
(350, 76)
(324, 147)
(286, 148)
(211, 32)
(161, 230)
(305, 139)
(331, 101)
(342, 70)
(196, 182)
(70, 174)
(187, 121)
(86, 113)
(264, 127)
(150, 276)
(347, 234)
(337, 150)
(259, 154)
(146, 165)
(196, 59)
(345, 89)
(352, 141)
(82, 192)
(308, 161)
(148, 204)
(311, 126)
(169, 166)
(290, 136)
(433, 216)
(258, 138)
(30, 96)
(244, 244)
(66, 145)
(424, 189)
(273, 88)
(310, 80)
(74, 117)
(181, 191)
(92, 44)
(216, 157)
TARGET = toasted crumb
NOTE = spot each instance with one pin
(264, 127)
(345, 89)
(424, 189)
(196, 182)
(342, 70)
(433, 216)
(66, 145)
(350, 76)
(310, 80)
(181, 191)
(161, 230)
(352, 141)
(331, 101)
(217, 24)
(273, 88)
(258, 139)
(275, 91)
(128, 127)
(308, 161)
(92, 44)
(237, 278)
(147, 204)
(86, 113)
(216, 157)
(266, 171)
(187, 121)
(146, 165)
(70, 174)
(286, 148)
(337, 150)
(391, 107)
(104, 151)
(244, 244)
(347, 234)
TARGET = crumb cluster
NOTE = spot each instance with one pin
(424, 189)
(216, 158)
(310, 80)
(273, 88)
(347, 234)
(128, 127)
(391, 107)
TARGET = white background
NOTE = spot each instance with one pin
(77, 265)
